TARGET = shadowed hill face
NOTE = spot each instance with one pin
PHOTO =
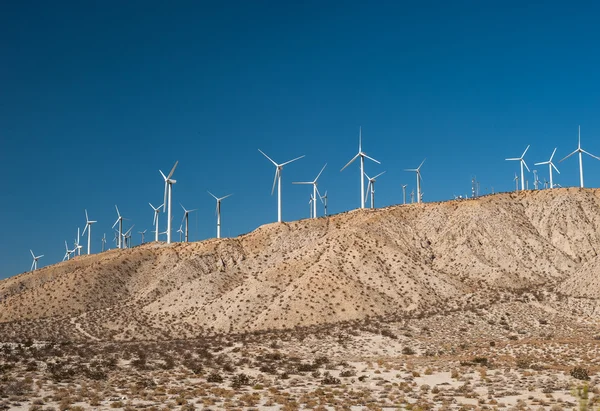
(422, 258)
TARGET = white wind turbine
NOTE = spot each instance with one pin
(315, 191)
(127, 237)
(579, 150)
(155, 221)
(167, 201)
(35, 260)
(78, 246)
(324, 201)
(419, 178)
(277, 180)
(310, 206)
(103, 242)
(218, 211)
(550, 166)
(522, 161)
(180, 231)
(88, 227)
(371, 187)
(362, 167)
(143, 233)
(186, 218)
(68, 252)
(516, 179)
(404, 193)
(120, 222)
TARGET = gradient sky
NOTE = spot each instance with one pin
(96, 97)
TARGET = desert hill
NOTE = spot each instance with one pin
(420, 259)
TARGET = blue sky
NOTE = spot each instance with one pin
(95, 97)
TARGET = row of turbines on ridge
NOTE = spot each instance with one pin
(123, 239)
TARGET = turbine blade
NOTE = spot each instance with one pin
(525, 164)
(523, 155)
(228, 195)
(555, 168)
(119, 214)
(152, 206)
(172, 170)
(275, 180)
(350, 162)
(542, 163)
(422, 162)
(319, 175)
(161, 173)
(33, 255)
(302, 182)
(552, 156)
(319, 194)
(370, 158)
(212, 194)
(569, 156)
(591, 155)
(165, 200)
(270, 159)
(512, 159)
(291, 161)
(116, 222)
(86, 216)
(84, 230)
(383, 172)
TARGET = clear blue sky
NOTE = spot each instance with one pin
(95, 97)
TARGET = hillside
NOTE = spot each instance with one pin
(419, 259)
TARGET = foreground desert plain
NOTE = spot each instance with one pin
(489, 303)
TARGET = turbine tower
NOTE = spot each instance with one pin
(167, 201)
(103, 242)
(419, 178)
(67, 253)
(404, 193)
(35, 260)
(218, 211)
(120, 222)
(579, 150)
(186, 218)
(88, 227)
(78, 247)
(155, 221)
(277, 180)
(362, 167)
(550, 166)
(127, 237)
(516, 179)
(522, 161)
(315, 191)
(371, 186)
(180, 231)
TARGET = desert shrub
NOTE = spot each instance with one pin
(240, 380)
(580, 373)
(329, 379)
(14, 387)
(215, 377)
(386, 332)
(408, 351)
(141, 361)
(268, 369)
(481, 361)
(347, 373)
(523, 362)
(322, 360)
(193, 365)
(304, 367)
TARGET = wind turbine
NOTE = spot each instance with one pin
(324, 201)
(78, 247)
(120, 222)
(404, 193)
(315, 190)
(579, 150)
(218, 211)
(550, 166)
(412, 196)
(516, 179)
(362, 167)
(277, 180)
(168, 191)
(155, 221)
(371, 186)
(310, 206)
(127, 237)
(35, 260)
(419, 178)
(103, 242)
(180, 231)
(143, 233)
(522, 161)
(186, 218)
(88, 227)
(67, 253)
(536, 180)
